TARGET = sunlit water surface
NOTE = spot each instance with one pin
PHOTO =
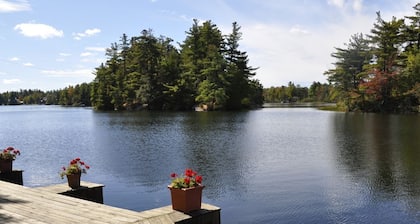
(274, 165)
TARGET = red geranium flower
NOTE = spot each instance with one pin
(199, 179)
(76, 166)
(189, 179)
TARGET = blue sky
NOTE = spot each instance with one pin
(50, 45)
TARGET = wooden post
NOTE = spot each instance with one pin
(14, 177)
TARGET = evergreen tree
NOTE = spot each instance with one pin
(379, 86)
(150, 72)
(238, 71)
(101, 89)
(350, 69)
(203, 66)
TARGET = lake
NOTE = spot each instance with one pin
(273, 165)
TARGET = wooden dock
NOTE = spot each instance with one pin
(23, 205)
(87, 191)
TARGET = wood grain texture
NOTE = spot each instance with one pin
(20, 204)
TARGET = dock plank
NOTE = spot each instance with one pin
(23, 205)
(19, 204)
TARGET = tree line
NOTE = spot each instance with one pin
(377, 72)
(208, 70)
(380, 71)
(78, 95)
(317, 92)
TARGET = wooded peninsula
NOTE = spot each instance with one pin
(376, 72)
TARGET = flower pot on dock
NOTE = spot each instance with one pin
(186, 199)
(73, 172)
(6, 165)
(74, 180)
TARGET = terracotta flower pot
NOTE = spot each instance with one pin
(186, 199)
(6, 166)
(74, 180)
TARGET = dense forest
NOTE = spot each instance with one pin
(380, 72)
(78, 95)
(376, 72)
(317, 92)
(208, 71)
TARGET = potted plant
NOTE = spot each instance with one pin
(6, 159)
(73, 172)
(186, 191)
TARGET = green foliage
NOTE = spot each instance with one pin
(149, 72)
(292, 93)
(78, 95)
(76, 166)
(380, 73)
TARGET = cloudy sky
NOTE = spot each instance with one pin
(50, 45)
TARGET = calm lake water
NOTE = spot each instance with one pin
(274, 165)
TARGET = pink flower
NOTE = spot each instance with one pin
(173, 175)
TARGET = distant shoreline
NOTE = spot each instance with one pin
(286, 105)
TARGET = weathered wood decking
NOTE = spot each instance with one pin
(87, 191)
(19, 204)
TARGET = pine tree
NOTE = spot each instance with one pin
(238, 71)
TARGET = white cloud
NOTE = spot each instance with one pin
(69, 73)
(337, 3)
(87, 33)
(42, 31)
(28, 64)
(64, 54)
(298, 30)
(14, 59)
(86, 54)
(295, 54)
(9, 6)
(98, 49)
(90, 55)
(11, 81)
(62, 57)
(91, 32)
(357, 5)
